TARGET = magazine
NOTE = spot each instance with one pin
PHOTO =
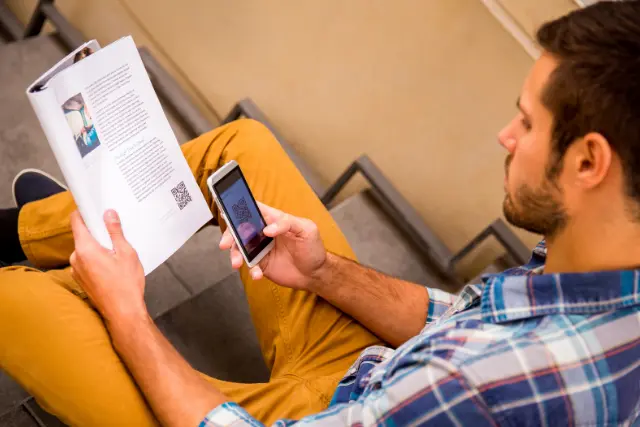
(116, 149)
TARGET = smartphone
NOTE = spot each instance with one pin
(239, 209)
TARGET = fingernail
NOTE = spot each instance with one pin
(271, 228)
(111, 215)
(254, 275)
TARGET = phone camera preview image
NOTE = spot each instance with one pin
(248, 224)
(243, 213)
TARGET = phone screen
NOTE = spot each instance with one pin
(242, 212)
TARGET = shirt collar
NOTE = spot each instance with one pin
(507, 297)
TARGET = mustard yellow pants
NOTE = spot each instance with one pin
(56, 346)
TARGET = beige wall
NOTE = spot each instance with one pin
(421, 86)
(530, 14)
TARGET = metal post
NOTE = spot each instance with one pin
(9, 23)
(37, 20)
(169, 89)
(70, 37)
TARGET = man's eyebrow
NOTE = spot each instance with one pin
(519, 105)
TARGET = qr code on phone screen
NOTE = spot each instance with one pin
(181, 194)
(241, 211)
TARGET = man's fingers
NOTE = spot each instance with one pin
(81, 235)
(256, 273)
(226, 241)
(236, 257)
(73, 260)
(279, 222)
(114, 227)
(237, 261)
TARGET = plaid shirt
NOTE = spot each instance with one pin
(520, 349)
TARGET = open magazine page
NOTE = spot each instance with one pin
(121, 141)
(55, 128)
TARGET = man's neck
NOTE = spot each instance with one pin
(606, 246)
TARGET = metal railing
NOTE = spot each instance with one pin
(409, 221)
(403, 215)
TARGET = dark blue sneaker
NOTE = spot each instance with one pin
(33, 184)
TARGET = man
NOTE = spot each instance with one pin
(555, 342)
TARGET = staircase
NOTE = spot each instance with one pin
(195, 297)
(196, 287)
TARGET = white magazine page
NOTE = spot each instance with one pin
(58, 133)
(131, 161)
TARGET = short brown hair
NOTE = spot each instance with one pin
(596, 86)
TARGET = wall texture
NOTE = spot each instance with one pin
(422, 86)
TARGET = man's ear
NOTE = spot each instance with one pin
(592, 160)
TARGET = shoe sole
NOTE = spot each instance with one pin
(22, 172)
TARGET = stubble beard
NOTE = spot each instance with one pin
(536, 210)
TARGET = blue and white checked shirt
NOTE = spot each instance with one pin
(520, 349)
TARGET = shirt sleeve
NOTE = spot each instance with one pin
(435, 393)
(439, 303)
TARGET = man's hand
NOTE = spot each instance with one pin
(391, 308)
(296, 258)
(113, 279)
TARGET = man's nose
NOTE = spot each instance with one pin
(507, 139)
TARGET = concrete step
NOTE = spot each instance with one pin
(29, 414)
(17, 417)
(379, 244)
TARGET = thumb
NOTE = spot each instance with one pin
(287, 223)
(114, 227)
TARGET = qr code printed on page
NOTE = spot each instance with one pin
(241, 211)
(181, 194)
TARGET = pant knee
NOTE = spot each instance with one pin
(252, 136)
(26, 288)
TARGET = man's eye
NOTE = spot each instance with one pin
(526, 123)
